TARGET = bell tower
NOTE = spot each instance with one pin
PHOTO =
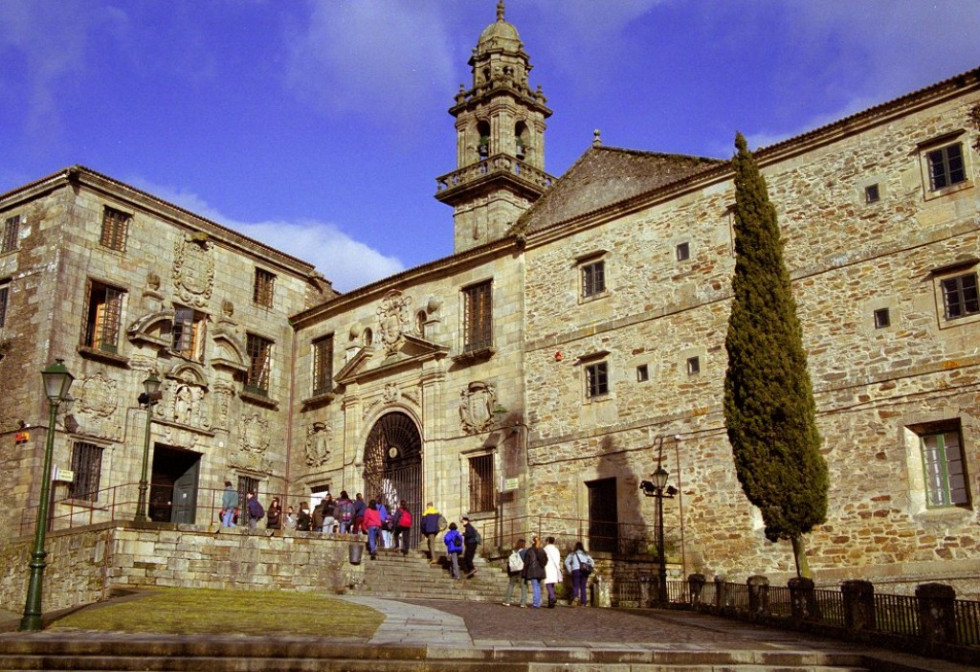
(500, 125)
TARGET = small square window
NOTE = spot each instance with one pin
(642, 373)
(945, 166)
(693, 366)
(871, 194)
(593, 279)
(882, 318)
(11, 232)
(596, 380)
(683, 251)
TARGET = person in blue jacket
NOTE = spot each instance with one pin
(454, 546)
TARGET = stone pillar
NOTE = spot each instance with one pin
(600, 593)
(695, 583)
(758, 595)
(645, 600)
(721, 593)
(859, 605)
(803, 601)
(937, 622)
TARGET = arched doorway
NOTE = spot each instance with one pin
(393, 465)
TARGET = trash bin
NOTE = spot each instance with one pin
(355, 551)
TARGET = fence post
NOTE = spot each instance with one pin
(695, 583)
(721, 593)
(859, 605)
(937, 621)
(803, 601)
(758, 595)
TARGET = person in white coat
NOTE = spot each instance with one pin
(552, 570)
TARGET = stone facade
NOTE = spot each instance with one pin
(533, 379)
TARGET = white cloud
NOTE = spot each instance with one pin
(347, 263)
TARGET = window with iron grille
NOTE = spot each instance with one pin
(11, 232)
(960, 296)
(4, 293)
(596, 380)
(946, 166)
(246, 484)
(944, 468)
(115, 227)
(264, 288)
(478, 316)
(323, 364)
(86, 462)
(482, 490)
(593, 278)
(104, 313)
(260, 363)
(188, 333)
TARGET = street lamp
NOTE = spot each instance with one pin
(147, 399)
(57, 380)
(657, 487)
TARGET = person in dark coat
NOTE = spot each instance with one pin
(534, 563)
(471, 539)
(273, 520)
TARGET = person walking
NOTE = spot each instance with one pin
(359, 507)
(580, 565)
(515, 570)
(329, 507)
(454, 546)
(273, 520)
(253, 511)
(431, 528)
(403, 527)
(229, 502)
(534, 561)
(385, 522)
(552, 571)
(372, 523)
(344, 512)
(471, 539)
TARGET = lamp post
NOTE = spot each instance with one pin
(657, 487)
(147, 399)
(57, 380)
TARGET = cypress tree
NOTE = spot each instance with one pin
(769, 409)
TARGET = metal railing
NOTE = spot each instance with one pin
(619, 539)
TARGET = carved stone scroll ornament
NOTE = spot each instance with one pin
(317, 444)
(394, 319)
(194, 269)
(476, 404)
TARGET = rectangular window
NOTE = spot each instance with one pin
(960, 296)
(596, 380)
(477, 317)
(882, 318)
(593, 279)
(264, 288)
(260, 363)
(693, 366)
(642, 373)
(323, 364)
(86, 462)
(11, 233)
(188, 333)
(482, 490)
(246, 484)
(872, 194)
(104, 314)
(4, 294)
(945, 473)
(115, 226)
(946, 166)
(683, 251)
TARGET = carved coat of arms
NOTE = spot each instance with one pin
(393, 319)
(317, 443)
(194, 270)
(476, 404)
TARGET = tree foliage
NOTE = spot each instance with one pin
(769, 409)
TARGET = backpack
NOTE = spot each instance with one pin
(477, 539)
(585, 566)
(256, 510)
(515, 562)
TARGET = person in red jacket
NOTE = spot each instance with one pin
(403, 526)
(372, 523)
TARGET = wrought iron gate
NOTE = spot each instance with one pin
(393, 466)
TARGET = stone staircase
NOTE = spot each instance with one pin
(411, 576)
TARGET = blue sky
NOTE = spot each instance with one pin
(320, 127)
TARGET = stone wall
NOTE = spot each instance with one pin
(85, 564)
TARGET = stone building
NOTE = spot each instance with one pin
(572, 343)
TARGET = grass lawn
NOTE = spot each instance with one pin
(201, 611)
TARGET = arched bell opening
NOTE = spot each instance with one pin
(393, 466)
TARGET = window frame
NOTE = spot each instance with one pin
(115, 228)
(592, 277)
(945, 163)
(98, 323)
(11, 234)
(189, 346)
(4, 301)
(322, 371)
(967, 298)
(936, 468)
(86, 463)
(260, 352)
(597, 380)
(478, 316)
(482, 483)
(264, 288)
